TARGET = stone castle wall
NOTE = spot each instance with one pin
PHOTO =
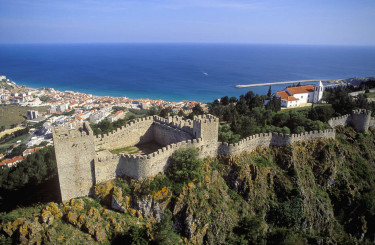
(249, 144)
(75, 153)
(339, 121)
(144, 130)
(165, 134)
(138, 132)
(84, 160)
(360, 120)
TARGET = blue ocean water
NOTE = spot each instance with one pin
(173, 72)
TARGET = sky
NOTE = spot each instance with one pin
(317, 22)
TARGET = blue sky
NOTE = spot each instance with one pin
(331, 22)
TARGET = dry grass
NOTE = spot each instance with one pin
(9, 131)
(138, 149)
(16, 114)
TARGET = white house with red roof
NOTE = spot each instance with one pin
(296, 96)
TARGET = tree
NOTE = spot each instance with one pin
(164, 233)
(35, 169)
(224, 100)
(269, 92)
(152, 111)
(274, 104)
(17, 151)
(321, 113)
(165, 112)
(44, 98)
(184, 166)
(249, 97)
(233, 100)
(226, 134)
(251, 229)
(340, 99)
(181, 113)
(245, 126)
(241, 107)
(197, 110)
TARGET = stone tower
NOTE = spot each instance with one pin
(318, 93)
(360, 120)
(207, 128)
(75, 152)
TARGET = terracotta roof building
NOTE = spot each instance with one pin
(295, 96)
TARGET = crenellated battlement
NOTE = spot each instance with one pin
(64, 133)
(360, 120)
(206, 119)
(176, 122)
(362, 111)
(272, 139)
(128, 126)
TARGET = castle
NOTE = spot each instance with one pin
(83, 159)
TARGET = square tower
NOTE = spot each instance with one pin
(206, 127)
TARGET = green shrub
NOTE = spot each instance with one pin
(163, 231)
(185, 166)
(287, 214)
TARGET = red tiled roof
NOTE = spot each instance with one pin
(301, 89)
(285, 96)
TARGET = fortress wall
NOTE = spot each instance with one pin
(105, 166)
(328, 134)
(360, 120)
(144, 166)
(166, 135)
(75, 152)
(134, 133)
(249, 144)
(339, 121)
(206, 127)
(177, 123)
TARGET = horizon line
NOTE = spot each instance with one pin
(211, 43)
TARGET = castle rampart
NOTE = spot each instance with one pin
(84, 160)
(75, 153)
(165, 134)
(138, 132)
(360, 120)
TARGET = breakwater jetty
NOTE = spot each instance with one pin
(286, 82)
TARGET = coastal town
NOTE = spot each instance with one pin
(45, 108)
(51, 108)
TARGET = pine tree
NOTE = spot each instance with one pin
(269, 92)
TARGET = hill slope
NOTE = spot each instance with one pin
(317, 192)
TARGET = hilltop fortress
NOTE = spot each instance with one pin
(83, 159)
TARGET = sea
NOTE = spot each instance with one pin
(175, 72)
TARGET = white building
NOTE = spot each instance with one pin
(97, 116)
(32, 114)
(296, 96)
(116, 116)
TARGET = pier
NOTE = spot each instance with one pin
(286, 82)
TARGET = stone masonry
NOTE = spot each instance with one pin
(84, 160)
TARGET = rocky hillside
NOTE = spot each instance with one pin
(319, 192)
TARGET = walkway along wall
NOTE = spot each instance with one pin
(84, 160)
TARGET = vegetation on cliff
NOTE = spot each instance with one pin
(315, 192)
